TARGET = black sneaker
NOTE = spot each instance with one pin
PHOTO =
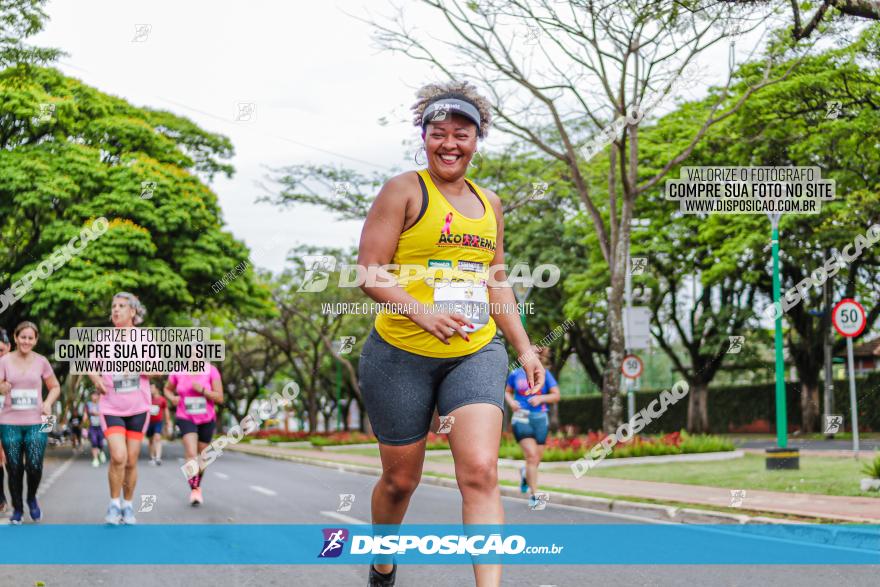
(378, 579)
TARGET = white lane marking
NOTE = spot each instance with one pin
(262, 490)
(343, 518)
(222, 475)
(47, 483)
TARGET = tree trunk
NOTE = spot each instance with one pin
(809, 406)
(554, 417)
(365, 423)
(698, 408)
(312, 403)
(612, 407)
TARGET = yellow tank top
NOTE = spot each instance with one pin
(448, 257)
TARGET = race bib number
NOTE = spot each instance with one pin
(195, 405)
(521, 416)
(154, 410)
(464, 297)
(126, 382)
(24, 399)
(2, 401)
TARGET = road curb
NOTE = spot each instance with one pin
(698, 457)
(673, 514)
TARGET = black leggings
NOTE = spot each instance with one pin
(2, 491)
(25, 447)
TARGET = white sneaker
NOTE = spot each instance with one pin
(95, 462)
(128, 516)
(103, 457)
(114, 515)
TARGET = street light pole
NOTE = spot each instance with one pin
(627, 334)
(781, 413)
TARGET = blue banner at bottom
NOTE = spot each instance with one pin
(298, 544)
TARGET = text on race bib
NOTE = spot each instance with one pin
(24, 399)
(471, 299)
(195, 405)
(126, 382)
(521, 416)
(154, 410)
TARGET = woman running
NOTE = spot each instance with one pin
(195, 417)
(22, 374)
(428, 354)
(158, 411)
(4, 348)
(530, 420)
(124, 404)
(75, 425)
(96, 433)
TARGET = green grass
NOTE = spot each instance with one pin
(815, 436)
(821, 475)
(366, 452)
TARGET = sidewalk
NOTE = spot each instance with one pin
(864, 454)
(842, 509)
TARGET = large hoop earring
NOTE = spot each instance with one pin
(416, 157)
(475, 161)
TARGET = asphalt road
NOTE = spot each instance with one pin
(242, 489)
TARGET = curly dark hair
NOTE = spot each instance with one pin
(430, 93)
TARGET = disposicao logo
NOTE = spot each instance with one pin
(334, 540)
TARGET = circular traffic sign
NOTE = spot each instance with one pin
(632, 367)
(849, 318)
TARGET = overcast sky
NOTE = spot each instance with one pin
(318, 84)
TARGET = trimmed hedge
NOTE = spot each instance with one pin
(734, 406)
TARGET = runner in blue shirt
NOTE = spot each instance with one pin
(530, 419)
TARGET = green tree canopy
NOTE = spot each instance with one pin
(72, 154)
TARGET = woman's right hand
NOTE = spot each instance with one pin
(5, 387)
(442, 325)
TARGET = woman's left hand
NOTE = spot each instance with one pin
(536, 400)
(47, 409)
(534, 372)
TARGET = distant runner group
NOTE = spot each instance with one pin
(122, 409)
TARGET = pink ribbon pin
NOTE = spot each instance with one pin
(447, 227)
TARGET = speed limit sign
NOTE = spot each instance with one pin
(849, 318)
(632, 367)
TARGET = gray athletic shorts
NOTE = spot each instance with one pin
(400, 388)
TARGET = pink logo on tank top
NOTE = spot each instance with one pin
(447, 227)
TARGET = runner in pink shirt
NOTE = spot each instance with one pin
(22, 434)
(194, 395)
(5, 347)
(125, 406)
